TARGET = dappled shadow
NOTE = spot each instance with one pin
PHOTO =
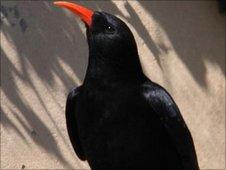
(196, 31)
(44, 35)
(38, 127)
(40, 35)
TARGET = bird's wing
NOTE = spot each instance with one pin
(71, 122)
(163, 105)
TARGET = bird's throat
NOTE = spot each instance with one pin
(106, 69)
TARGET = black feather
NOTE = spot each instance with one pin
(120, 119)
(71, 123)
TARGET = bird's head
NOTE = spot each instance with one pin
(108, 33)
(109, 38)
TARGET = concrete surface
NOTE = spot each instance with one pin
(44, 55)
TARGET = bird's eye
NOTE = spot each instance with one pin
(109, 29)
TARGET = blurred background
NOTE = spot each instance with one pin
(44, 55)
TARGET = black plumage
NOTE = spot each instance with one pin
(118, 118)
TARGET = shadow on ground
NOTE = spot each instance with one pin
(43, 34)
(196, 31)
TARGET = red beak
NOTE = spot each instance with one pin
(84, 13)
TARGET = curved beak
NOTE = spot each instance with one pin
(84, 13)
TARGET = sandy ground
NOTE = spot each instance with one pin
(44, 55)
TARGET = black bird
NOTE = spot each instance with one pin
(118, 119)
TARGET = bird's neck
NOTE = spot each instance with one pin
(114, 69)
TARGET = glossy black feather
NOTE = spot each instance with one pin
(164, 106)
(125, 121)
(71, 123)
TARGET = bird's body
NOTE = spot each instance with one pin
(119, 128)
(118, 119)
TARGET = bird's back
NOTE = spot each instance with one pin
(119, 130)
